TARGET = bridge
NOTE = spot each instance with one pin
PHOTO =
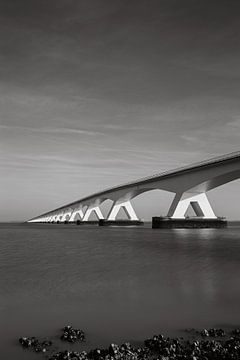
(189, 184)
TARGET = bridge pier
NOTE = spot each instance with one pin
(111, 220)
(65, 214)
(199, 202)
(54, 218)
(176, 218)
(90, 209)
(161, 222)
(78, 211)
(59, 217)
(126, 206)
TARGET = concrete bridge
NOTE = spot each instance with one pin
(189, 183)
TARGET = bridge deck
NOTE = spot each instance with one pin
(219, 160)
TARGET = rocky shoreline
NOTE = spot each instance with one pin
(206, 344)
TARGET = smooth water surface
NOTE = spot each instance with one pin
(115, 283)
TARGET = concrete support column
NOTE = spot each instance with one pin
(75, 212)
(97, 211)
(127, 207)
(67, 213)
(199, 203)
(59, 216)
(54, 217)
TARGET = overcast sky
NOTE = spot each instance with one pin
(94, 93)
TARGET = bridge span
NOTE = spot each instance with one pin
(189, 183)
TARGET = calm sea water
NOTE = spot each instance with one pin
(117, 284)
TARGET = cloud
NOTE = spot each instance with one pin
(72, 131)
(235, 123)
(125, 127)
(121, 88)
(49, 130)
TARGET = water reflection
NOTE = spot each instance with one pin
(117, 283)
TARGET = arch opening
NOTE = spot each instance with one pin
(106, 207)
(194, 210)
(152, 202)
(226, 199)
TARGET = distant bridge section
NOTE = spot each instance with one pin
(189, 183)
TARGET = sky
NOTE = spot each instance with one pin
(95, 93)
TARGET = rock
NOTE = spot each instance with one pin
(214, 346)
(236, 332)
(113, 349)
(47, 343)
(204, 333)
(69, 355)
(72, 335)
(213, 332)
(32, 342)
(220, 332)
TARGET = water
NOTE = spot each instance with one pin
(117, 284)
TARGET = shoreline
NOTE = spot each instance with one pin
(204, 344)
